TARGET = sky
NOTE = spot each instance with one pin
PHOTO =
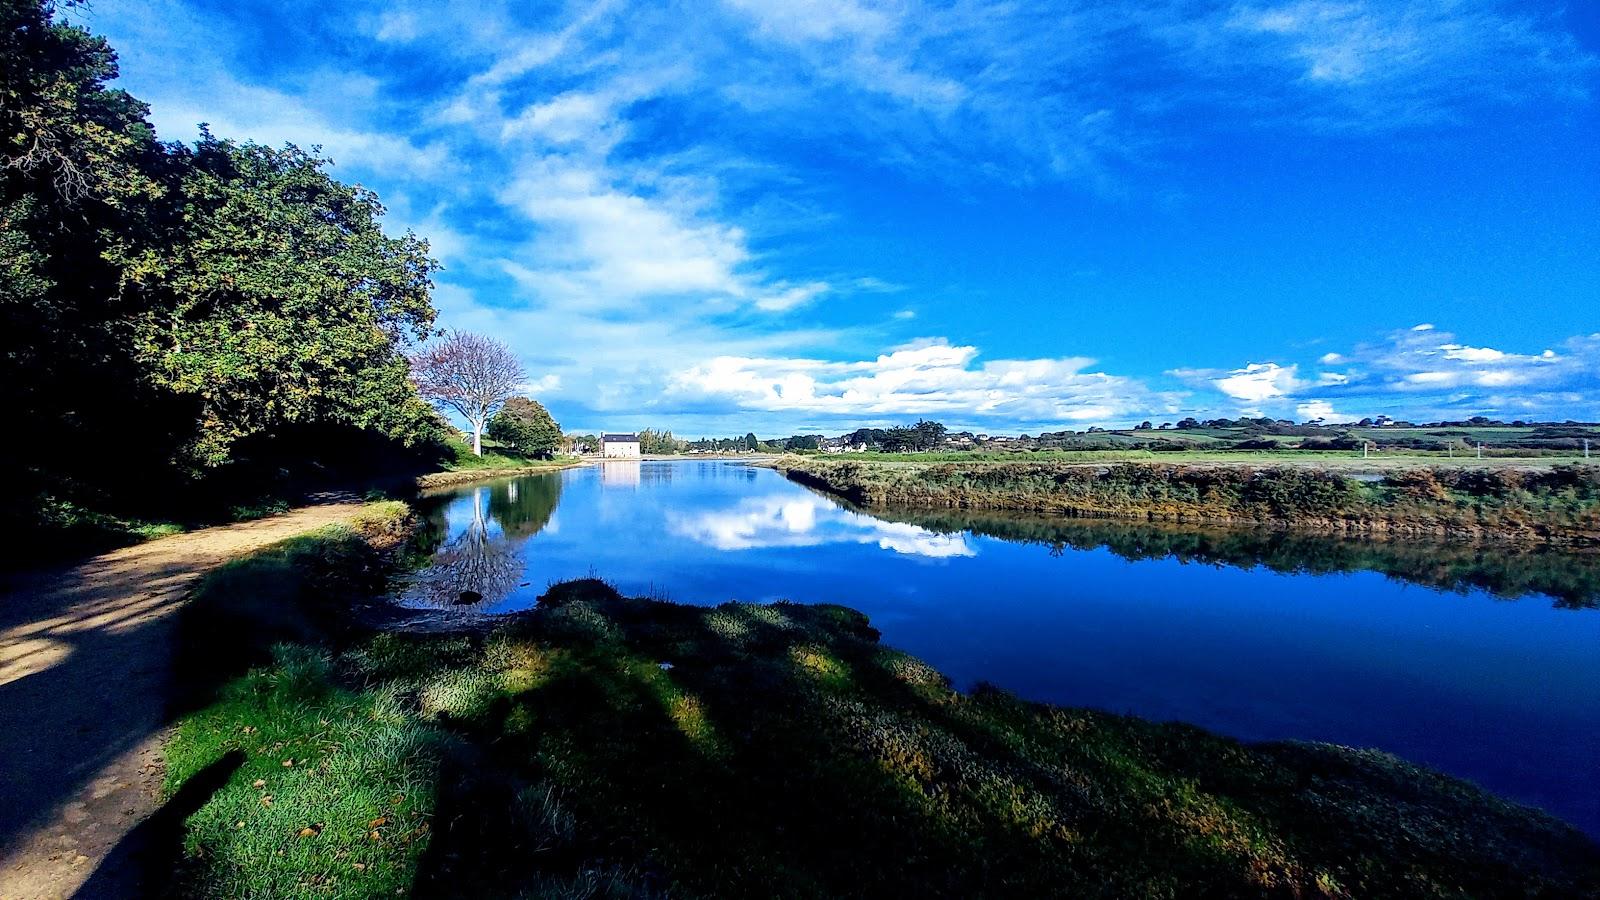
(792, 216)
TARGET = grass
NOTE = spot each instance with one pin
(603, 746)
(1559, 504)
(495, 456)
(332, 799)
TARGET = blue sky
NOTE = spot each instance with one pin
(784, 215)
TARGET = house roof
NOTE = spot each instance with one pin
(619, 438)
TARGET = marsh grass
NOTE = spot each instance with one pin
(1558, 504)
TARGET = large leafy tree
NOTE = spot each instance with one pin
(163, 302)
(285, 301)
(81, 179)
(527, 426)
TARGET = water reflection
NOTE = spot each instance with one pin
(620, 474)
(1507, 570)
(475, 542)
(806, 520)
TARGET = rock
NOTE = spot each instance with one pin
(469, 597)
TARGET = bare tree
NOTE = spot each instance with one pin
(471, 374)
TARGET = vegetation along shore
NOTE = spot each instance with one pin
(1557, 504)
(605, 746)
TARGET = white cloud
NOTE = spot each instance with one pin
(1259, 382)
(542, 385)
(1318, 409)
(929, 377)
(1384, 63)
(1424, 372)
(621, 247)
(398, 26)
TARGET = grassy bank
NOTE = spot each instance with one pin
(1560, 504)
(496, 462)
(603, 746)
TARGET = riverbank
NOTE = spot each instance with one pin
(600, 745)
(1554, 505)
(453, 477)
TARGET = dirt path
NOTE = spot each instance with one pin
(85, 669)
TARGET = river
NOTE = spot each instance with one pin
(1483, 663)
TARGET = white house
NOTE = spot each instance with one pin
(619, 446)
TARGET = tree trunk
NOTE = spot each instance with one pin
(477, 439)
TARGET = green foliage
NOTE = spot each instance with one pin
(525, 426)
(284, 300)
(177, 303)
(662, 442)
(462, 459)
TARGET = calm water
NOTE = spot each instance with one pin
(1483, 665)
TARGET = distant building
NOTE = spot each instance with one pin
(619, 446)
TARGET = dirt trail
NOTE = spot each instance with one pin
(85, 670)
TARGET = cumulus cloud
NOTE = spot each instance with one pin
(1423, 371)
(929, 377)
(1259, 382)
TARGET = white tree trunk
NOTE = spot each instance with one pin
(477, 438)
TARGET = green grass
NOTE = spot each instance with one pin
(495, 456)
(333, 798)
(53, 529)
(603, 746)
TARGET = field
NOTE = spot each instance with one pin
(1351, 460)
(1266, 439)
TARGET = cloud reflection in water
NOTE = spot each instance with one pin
(782, 520)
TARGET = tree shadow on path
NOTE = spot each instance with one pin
(143, 862)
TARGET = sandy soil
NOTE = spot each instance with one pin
(85, 670)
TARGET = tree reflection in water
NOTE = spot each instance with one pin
(1571, 577)
(483, 562)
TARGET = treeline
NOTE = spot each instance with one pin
(178, 315)
(924, 435)
(752, 444)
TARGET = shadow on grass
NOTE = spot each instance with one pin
(607, 747)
